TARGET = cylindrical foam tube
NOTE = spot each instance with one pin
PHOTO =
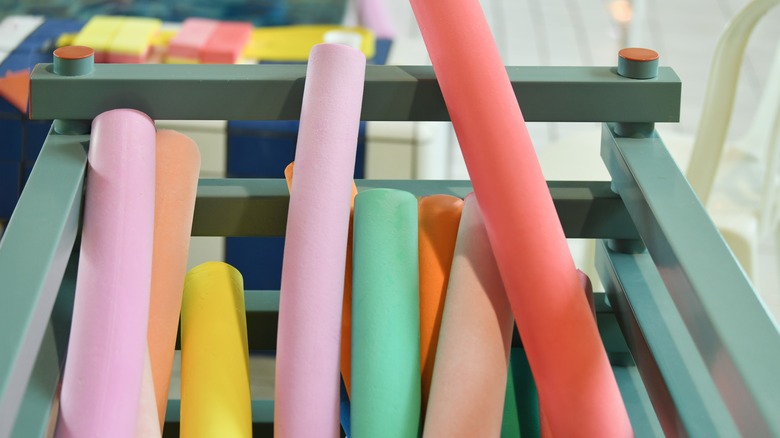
(375, 16)
(178, 164)
(147, 426)
(385, 399)
(467, 396)
(312, 288)
(215, 397)
(527, 239)
(101, 386)
(346, 315)
(438, 219)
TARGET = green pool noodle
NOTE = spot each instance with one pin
(385, 316)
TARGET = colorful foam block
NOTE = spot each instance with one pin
(111, 308)
(226, 43)
(309, 336)
(191, 39)
(522, 224)
(294, 43)
(98, 34)
(132, 42)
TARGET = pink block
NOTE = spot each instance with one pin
(309, 336)
(227, 43)
(101, 385)
(527, 239)
(191, 38)
(115, 58)
(467, 395)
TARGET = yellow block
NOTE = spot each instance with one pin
(215, 397)
(293, 43)
(99, 32)
(135, 36)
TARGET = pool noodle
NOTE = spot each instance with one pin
(385, 398)
(346, 312)
(375, 16)
(178, 164)
(467, 393)
(215, 396)
(438, 218)
(521, 409)
(147, 426)
(312, 288)
(101, 386)
(522, 224)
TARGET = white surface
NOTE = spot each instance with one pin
(15, 28)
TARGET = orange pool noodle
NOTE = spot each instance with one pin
(576, 385)
(437, 228)
(178, 163)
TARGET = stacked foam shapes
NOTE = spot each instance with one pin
(209, 42)
(385, 395)
(522, 224)
(178, 163)
(215, 396)
(119, 39)
(438, 219)
(312, 289)
(467, 393)
(294, 43)
(107, 345)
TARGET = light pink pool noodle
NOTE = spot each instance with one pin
(309, 336)
(101, 386)
(467, 393)
(559, 334)
(375, 15)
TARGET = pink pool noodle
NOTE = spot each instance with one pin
(101, 385)
(178, 164)
(375, 15)
(560, 337)
(467, 393)
(310, 306)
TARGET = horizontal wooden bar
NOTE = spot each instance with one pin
(258, 207)
(392, 93)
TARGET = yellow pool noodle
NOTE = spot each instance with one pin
(215, 396)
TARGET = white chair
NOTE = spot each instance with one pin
(737, 182)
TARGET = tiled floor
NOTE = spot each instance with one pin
(684, 32)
